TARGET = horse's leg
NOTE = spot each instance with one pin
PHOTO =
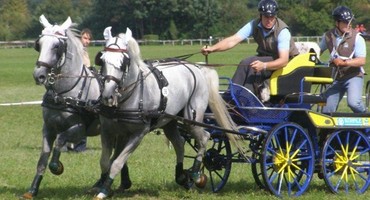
(107, 143)
(178, 142)
(125, 177)
(201, 137)
(117, 165)
(76, 132)
(93, 128)
(47, 145)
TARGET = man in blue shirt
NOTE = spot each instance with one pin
(275, 46)
(347, 57)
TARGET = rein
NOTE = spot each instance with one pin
(55, 74)
(186, 56)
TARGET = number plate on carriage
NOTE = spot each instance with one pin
(352, 121)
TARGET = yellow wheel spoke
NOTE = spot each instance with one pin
(344, 152)
(282, 168)
(339, 156)
(288, 147)
(289, 171)
(344, 174)
(291, 175)
(281, 152)
(295, 153)
(340, 162)
(280, 156)
(296, 166)
(353, 172)
(338, 168)
(352, 157)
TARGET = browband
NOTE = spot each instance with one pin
(114, 50)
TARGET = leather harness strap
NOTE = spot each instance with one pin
(162, 82)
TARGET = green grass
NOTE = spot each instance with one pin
(151, 166)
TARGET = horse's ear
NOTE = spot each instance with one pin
(44, 21)
(67, 23)
(107, 33)
(128, 34)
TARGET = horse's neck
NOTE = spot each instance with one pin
(73, 64)
(135, 83)
(134, 75)
(70, 75)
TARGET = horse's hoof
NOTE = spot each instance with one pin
(27, 195)
(126, 185)
(102, 196)
(121, 189)
(56, 168)
(97, 198)
(202, 181)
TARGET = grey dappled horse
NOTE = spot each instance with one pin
(139, 98)
(72, 91)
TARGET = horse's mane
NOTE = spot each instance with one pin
(74, 40)
(134, 52)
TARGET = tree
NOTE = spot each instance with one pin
(56, 11)
(235, 14)
(169, 19)
(14, 19)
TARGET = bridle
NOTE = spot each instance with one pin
(124, 66)
(62, 48)
(54, 69)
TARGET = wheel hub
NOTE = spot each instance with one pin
(213, 160)
(343, 162)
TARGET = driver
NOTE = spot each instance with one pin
(275, 47)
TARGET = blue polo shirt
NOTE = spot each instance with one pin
(360, 45)
(283, 39)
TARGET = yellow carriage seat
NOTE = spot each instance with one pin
(292, 83)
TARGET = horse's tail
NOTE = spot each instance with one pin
(218, 107)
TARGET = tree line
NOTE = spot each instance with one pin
(169, 19)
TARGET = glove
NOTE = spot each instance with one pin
(339, 62)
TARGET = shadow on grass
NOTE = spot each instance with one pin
(79, 193)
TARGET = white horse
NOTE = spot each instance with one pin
(139, 97)
(72, 91)
(305, 47)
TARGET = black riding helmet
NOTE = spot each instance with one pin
(268, 7)
(342, 13)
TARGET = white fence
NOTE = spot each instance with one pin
(30, 43)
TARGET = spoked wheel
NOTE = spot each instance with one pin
(346, 162)
(287, 160)
(218, 162)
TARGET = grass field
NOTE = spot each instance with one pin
(151, 166)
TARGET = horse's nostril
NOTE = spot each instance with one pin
(42, 79)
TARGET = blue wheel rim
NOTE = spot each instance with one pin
(287, 160)
(346, 162)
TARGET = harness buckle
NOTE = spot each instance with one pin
(68, 100)
(51, 78)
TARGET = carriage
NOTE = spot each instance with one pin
(285, 142)
(290, 139)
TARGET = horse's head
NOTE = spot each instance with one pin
(51, 46)
(115, 65)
